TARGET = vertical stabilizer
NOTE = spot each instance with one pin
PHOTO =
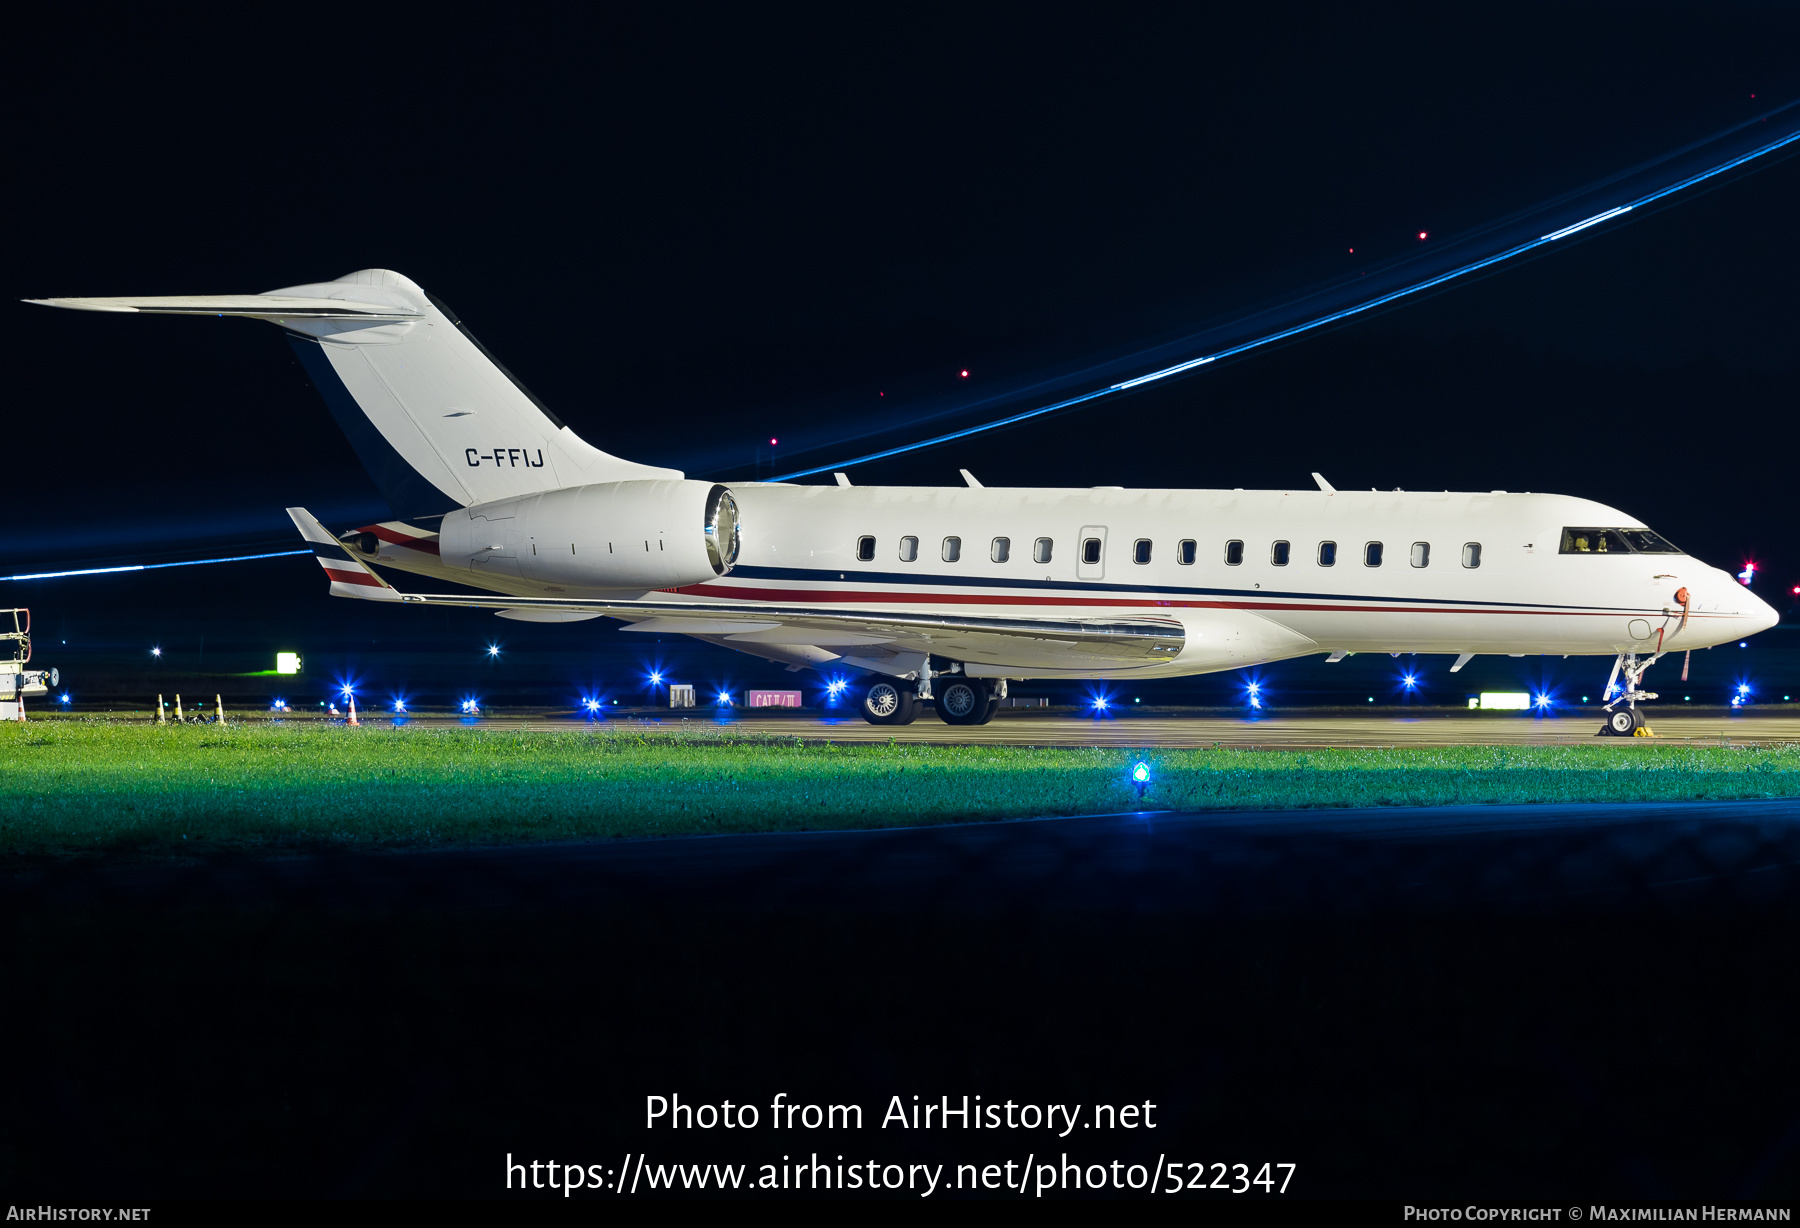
(438, 423)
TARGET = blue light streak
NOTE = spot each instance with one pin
(102, 571)
(1308, 326)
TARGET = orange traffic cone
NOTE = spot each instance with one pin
(353, 720)
(179, 718)
(160, 705)
(219, 706)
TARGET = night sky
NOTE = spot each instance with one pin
(688, 235)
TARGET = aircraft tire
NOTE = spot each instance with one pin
(963, 701)
(1621, 722)
(885, 702)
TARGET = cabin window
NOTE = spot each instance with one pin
(1372, 554)
(1001, 549)
(909, 549)
(1278, 554)
(1186, 552)
(1140, 550)
(1040, 549)
(1421, 554)
(1234, 553)
(952, 549)
(1090, 551)
(1471, 554)
(865, 549)
(1328, 554)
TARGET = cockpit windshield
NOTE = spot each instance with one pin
(1645, 542)
(1615, 541)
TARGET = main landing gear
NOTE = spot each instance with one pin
(967, 701)
(1627, 722)
(959, 700)
(889, 702)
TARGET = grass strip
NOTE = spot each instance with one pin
(102, 787)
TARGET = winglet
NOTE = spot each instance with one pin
(970, 479)
(1325, 486)
(349, 575)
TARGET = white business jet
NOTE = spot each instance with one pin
(944, 594)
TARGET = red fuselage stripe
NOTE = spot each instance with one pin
(842, 596)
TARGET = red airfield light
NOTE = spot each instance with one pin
(1421, 236)
(773, 442)
(965, 373)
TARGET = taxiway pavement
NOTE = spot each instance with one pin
(1178, 731)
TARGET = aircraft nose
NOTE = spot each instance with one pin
(1759, 613)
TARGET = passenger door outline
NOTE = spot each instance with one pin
(1085, 570)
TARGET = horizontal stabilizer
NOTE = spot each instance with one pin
(349, 575)
(276, 307)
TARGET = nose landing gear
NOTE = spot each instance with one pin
(1627, 722)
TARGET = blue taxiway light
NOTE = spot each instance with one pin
(1141, 773)
(1308, 326)
(493, 650)
(64, 698)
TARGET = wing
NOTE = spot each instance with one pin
(881, 640)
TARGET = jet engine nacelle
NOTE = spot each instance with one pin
(616, 535)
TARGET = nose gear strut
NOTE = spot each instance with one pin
(1628, 721)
